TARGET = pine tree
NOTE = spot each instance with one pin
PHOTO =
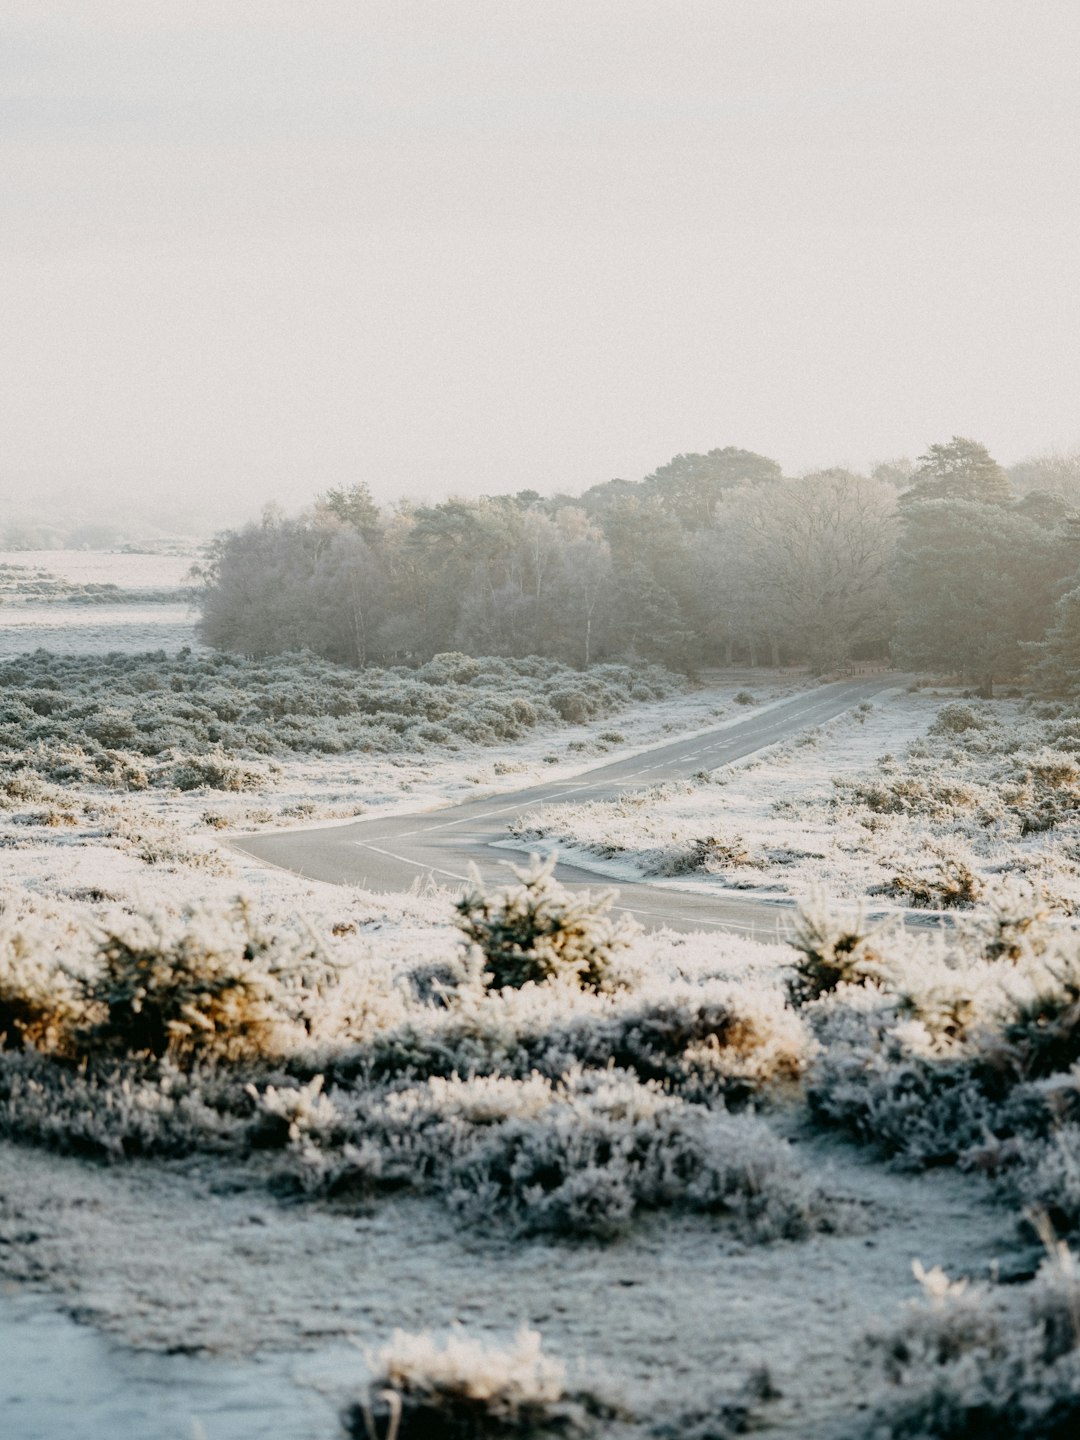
(1058, 668)
(960, 470)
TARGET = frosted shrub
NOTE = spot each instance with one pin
(1043, 1029)
(964, 1050)
(950, 884)
(206, 982)
(831, 952)
(606, 1146)
(704, 1041)
(216, 772)
(956, 719)
(40, 1001)
(965, 1366)
(537, 930)
(463, 1389)
(117, 1110)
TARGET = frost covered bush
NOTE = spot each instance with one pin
(464, 1389)
(830, 952)
(964, 1050)
(577, 1157)
(537, 930)
(207, 982)
(119, 1109)
(204, 982)
(216, 772)
(951, 884)
(604, 1146)
(703, 1040)
(956, 719)
(40, 1002)
(967, 1365)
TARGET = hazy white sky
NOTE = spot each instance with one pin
(252, 248)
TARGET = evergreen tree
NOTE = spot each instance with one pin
(1058, 669)
(960, 470)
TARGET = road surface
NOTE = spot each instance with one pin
(389, 854)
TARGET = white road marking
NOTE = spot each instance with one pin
(404, 859)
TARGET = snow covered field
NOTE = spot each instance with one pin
(874, 807)
(66, 625)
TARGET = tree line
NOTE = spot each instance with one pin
(948, 563)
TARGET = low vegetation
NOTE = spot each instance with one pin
(539, 1078)
(463, 1389)
(217, 722)
(959, 1050)
(973, 1361)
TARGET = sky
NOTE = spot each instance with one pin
(251, 249)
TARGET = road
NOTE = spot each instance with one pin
(389, 854)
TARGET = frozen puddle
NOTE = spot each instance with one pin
(59, 1379)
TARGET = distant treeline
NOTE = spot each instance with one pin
(948, 562)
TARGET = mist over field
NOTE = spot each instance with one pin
(539, 720)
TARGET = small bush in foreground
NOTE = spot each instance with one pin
(464, 1389)
(537, 930)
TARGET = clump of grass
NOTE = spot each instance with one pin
(464, 1389)
(709, 855)
(536, 931)
(951, 885)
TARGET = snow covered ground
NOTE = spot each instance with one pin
(873, 807)
(29, 621)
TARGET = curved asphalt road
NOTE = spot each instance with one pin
(391, 853)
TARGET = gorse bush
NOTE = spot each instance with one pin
(830, 952)
(41, 1003)
(537, 930)
(209, 983)
(178, 988)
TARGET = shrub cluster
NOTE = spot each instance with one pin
(200, 720)
(968, 1363)
(562, 1104)
(961, 1049)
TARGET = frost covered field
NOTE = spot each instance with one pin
(92, 602)
(550, 1174)
(919, 799)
